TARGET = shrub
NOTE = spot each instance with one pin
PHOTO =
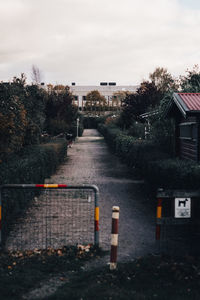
(33, 164)
(56, 126)
(137, 130)
(13, 124)
(154, 165)
(22, 115)
(110, 133)
(135, 152)
(91, 122)
(61, 114)
(174, 174)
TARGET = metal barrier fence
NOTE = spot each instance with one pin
(178, 222)
(48, 215)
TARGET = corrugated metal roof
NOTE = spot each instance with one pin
(191, 100)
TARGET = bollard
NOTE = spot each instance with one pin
(114, 237)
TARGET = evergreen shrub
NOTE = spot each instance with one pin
(157, 167)
(173, 174)
(32, 165)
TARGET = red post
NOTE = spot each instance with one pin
(114, 237)
(158, 217)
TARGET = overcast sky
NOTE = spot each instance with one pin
(88, 41)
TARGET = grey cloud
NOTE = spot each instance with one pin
(87, 40)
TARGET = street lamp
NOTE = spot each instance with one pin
(77, 125)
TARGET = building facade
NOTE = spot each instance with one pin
(109, 90)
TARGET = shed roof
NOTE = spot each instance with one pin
(186, 103)
(191, 100)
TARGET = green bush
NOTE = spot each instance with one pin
(22, 115)
(110, 133)
(33, 164)
(137, 130)
(135, 152)
(151, 163)
(13, 123)
(56, 126)
(174, 174)
(91, 122)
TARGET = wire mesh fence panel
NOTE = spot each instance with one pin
(42, 218)
(178, 230)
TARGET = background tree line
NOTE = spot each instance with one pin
(26, 111)
(152, 97)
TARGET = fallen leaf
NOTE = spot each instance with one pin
(59, 252)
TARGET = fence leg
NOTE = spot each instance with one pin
(114, 237)
(96, 233)
(96, 219)
(158, 224)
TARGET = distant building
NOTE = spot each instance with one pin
(106, 89)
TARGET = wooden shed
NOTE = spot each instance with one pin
(185, 109)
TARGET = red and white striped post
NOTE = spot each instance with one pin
(114, 237)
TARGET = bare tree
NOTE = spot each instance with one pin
(36, 75)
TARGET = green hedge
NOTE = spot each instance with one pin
(156, 166)
(91, 122)
(173, 174)
(134, 152)
(110, 133)
(34, 163)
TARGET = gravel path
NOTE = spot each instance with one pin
(89, 161)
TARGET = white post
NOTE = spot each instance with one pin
(77, 127)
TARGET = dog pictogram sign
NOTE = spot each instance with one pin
(182, 207)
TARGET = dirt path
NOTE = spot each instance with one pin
(90, 162)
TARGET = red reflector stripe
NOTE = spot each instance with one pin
(115, 223)
(113, 254)
(51, 185)
(96, 225)
(157, 232)
(159, 202)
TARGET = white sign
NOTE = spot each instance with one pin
(182, 207)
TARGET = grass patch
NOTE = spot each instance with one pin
(22, 271)
(150, 277)
(145, 278)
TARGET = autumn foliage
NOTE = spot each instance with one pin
(13, 122)
(27, 110)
